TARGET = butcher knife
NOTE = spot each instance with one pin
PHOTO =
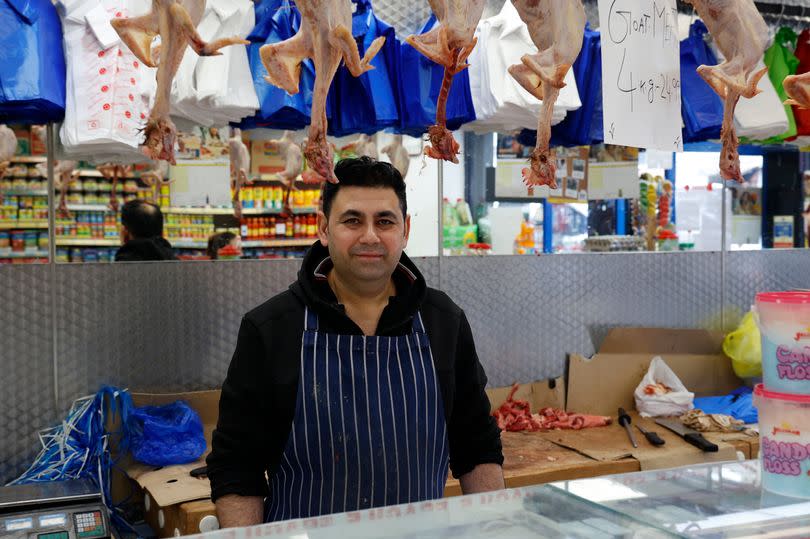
(690, 435)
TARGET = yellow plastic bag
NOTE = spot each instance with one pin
(744, 347)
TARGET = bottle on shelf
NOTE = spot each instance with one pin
(290, 227)
(463, 212)
(449, 215)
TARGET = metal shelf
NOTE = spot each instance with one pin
(225, 211)
(19, 193)
(197, 211)
(206, 227)
(87, 242)
(33, 254)
(28, 159)
(13, 225)
(177, 244)
(88, 207)
(92, 173)
(292, 242)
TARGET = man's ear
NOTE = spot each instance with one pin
(323, 228)
(407, 228)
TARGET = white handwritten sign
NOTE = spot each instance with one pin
(641, 79)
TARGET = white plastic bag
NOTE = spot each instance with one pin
(674, 403)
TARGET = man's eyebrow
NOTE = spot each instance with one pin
(356, 213)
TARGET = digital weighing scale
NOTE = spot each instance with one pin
(54, 510)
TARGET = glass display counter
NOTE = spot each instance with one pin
(712, 500)
(717, 500)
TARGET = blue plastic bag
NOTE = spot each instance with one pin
(166, 435)
(278, 109)
(738, 404)
(419, 82)
(264, 11)
(576, 129)
(701, 108)
(367, 103)
(32, 62)
(584, 125)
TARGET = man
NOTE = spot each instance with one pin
(221, 240)
(357, 386)
(142, 234)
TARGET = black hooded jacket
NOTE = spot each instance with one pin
(257, 405)
(145, 249)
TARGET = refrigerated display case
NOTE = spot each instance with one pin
(723, 500)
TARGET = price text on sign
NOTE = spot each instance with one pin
(641, 79)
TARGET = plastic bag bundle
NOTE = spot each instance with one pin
(108, 89)
(32, 63)
(216, 90)
(278, 20)
(802, 116)
(418, 87)
(582, 126)
(782, 62)
(367, 103)
(701, 107)
(166, 435)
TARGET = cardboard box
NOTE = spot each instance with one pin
(264, 159)
(605, 382)
(540, 394)
(174, 502)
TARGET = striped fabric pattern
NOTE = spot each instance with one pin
(369, 427)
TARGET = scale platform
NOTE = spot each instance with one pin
(54, 510)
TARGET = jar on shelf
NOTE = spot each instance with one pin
(667, 241)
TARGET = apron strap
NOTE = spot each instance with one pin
(418, 325)
(310, 320)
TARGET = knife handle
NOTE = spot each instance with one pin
(653, 438)
(697, 440)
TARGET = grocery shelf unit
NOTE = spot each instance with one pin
(23, 212)
(92, 227)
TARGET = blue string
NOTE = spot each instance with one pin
(80, 447)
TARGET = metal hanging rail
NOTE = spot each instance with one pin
(768, 9)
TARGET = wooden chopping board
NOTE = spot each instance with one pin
(611, 443)
(530, 460)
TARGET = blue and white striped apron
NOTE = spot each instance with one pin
(369, 427)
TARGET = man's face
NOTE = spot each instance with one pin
(365, 233)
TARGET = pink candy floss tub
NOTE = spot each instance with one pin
(784, 430)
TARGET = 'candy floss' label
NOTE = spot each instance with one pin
(793, 364)
(784, 458)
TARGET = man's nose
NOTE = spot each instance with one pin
(369, 234)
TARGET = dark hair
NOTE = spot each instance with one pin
(217, 242)
(142, 219)
(364, 172)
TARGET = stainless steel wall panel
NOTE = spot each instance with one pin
(26, 364)
(170, 327)
(156, 326)
(527, 313)
(750, 272)
(429, 266)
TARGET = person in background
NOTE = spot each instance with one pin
(221, 240)
(359, 385)
(142, 234)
